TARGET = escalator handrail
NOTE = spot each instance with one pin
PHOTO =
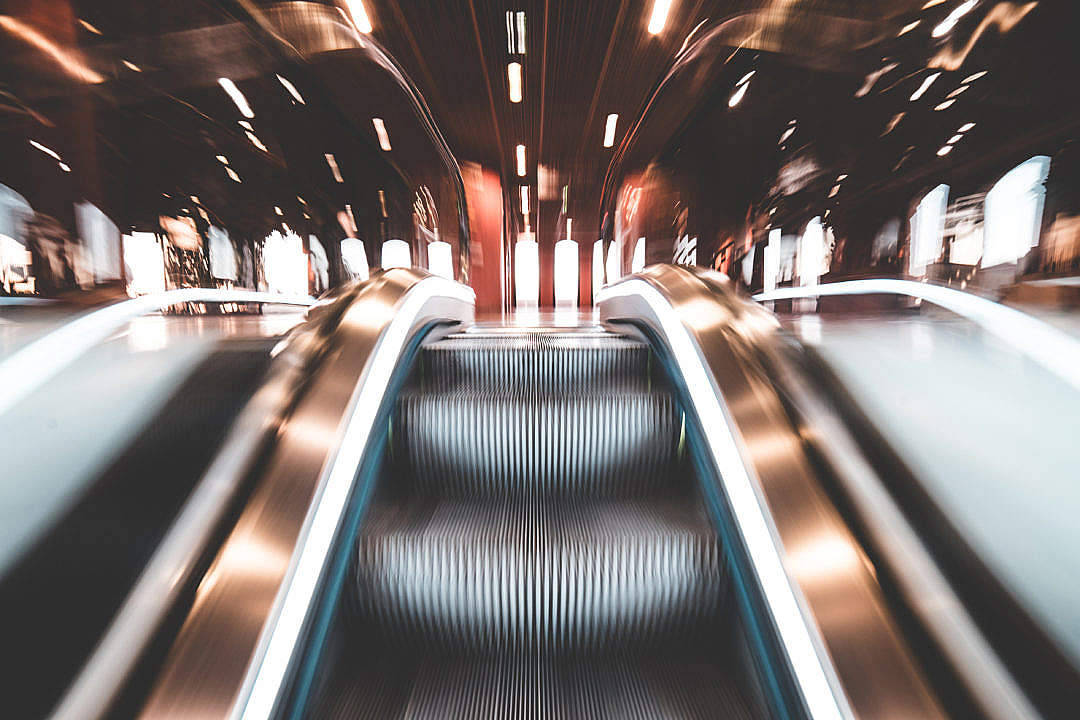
(781, 512)
(238, 642)
(30, 367)
(1053, 349)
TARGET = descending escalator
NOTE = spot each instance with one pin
(536, 547)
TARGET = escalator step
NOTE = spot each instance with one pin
(525, 574)
(527, 689)
(620, 444)
(540, 362)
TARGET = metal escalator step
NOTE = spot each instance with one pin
(528, 574)
(601, 445)
(620, 688)
(541, 362)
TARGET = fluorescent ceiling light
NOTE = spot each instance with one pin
(973, 78)
(380, 130)
(292, 89)
(945, 105)
(658, 18)
(609, 129)
(950, 21)
(237, 97)
(520, 151)
(926, 83)
(359, 15)
(86, 24)
(232, 173)
(48, 151)
(524, 199)
(945, 151)
(332, 162)
(132, 66)
(513, 77)
(966, 127)
(908, 28)
(64, 166)
(255, 140)
(738, 95)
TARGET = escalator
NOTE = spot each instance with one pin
(536, 546)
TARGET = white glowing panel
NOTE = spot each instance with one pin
(614, 261)
(638, 262)
(285, 264)
(811, 253)
(597, 266)
(772, 259)
(1014, 208)
(441, 259)
(927, 230)
(396, 253)
(354, 256)
(527, 271)
(566, 273)
(144, 262)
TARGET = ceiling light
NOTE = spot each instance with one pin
(232, 173)
(222, 159)
(524, 199)
(834, 191)
(132, 66)
(515, 32)
(966, 127)
(237, 97)
(86, 24)
(520, 150)
(745, 78)
(380, 130)
(945, 151)
(737, 96)
(521, 32)
(609, 129)
(359, 15)
(332, 162)
(65, 167)
(957, 91)
(277, 211)
(973, 78)
(292, 89)
(908, 28)
(945, 105)
(950, 21)
(955, 139)
(255, 140)
(787, 133)
(245, 124)
(926, 83)
(51, 153)
(659, 15)
(513, 76)
(841, 178)
(931, 3)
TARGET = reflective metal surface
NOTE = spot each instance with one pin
(237, 641)
(837, 630)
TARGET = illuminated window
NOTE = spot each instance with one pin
(527, 271)
(566, 273)
(927, 230)
(1014, 208)
(396, 253)
(354, 256)
(441, 259)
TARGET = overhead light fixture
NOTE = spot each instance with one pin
(255, 140)
(955, 139)
(966, 127)
(952, 18)
(931, 3)
(842, 177)
(237, 97)
(232, 173)
(515, 32)
(520, 151)
(745, 78)
(277, 211)
(787, 133)
(291, 88)
(131, 66)
(945, 151)
(245, 124)
(380, 130)
(332, 162)
(658, 18)
(945, 105)
(973, 78)
(359, 15)
(926, 83)
(86, 24)
(48, 151)
(64, 166)
(609, 129)
(513, 77)
(738, 95)
(524, 199)
(908, 28)
(957, 91)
